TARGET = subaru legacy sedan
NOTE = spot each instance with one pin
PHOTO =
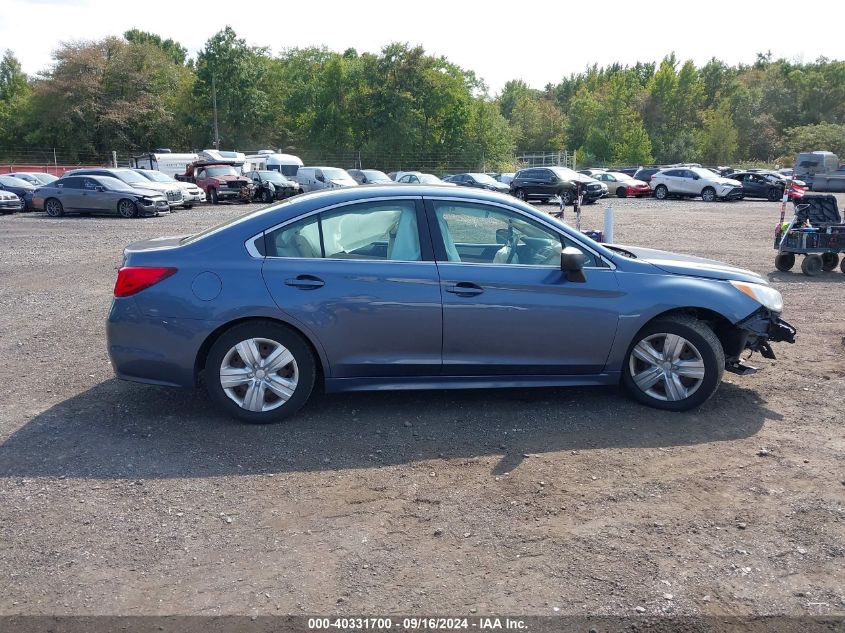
(426, 287)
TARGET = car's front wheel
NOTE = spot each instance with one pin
(621, 192)
(675, 363)
(127, 209)
(260, 372)
(708, 194)
(54, 208)
(566, 197)
(661, 192)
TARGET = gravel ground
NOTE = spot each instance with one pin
(117, 498)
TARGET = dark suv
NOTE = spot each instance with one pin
(543, 183)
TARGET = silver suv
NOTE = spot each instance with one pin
(693, 182)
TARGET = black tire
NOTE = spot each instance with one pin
(774, 194)
(188, 206)
(519, 194)
(303, 361)
(703, 341)
(54, 208)
(621, 193)
(708, 194)
(661, 192)
(127, 208)
(812, 265)
(566, 197)
(212, 194)
(842, 266)
(829, 261)
(784, 262)
(267, 196)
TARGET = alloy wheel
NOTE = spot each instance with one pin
(259, 374)
(667, 367)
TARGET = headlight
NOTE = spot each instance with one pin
(765, 295)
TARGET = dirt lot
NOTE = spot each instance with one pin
(118, 498)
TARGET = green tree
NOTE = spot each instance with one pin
(173, 49)
(718, 138)
(238, 72)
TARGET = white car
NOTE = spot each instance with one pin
(9, 202)
(692, 182)
(191, 194)
(416, 178)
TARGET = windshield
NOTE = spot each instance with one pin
(429, 179)
(704, 173)
(274, 177)
(45, 177)
(484, 179)
(113, 184)
(129, 176)
(334, 173)
(619, 175)
(568, 174)
(221, 171)
(374, 175)
(10, 181)
(156, 176)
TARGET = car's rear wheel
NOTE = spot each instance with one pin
(621, 193)
(520, 195)
(127, 208)
(212, 194)
(812, 265)
(774, 194)
(784, 262)
(661, 192)
(260, 372)
(708, 194)
(54, 208)
(829, 261)
(675, 363)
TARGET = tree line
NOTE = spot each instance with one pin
(138, 92)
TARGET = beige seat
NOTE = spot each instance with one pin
(504, 253)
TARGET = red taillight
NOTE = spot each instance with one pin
(134, 279)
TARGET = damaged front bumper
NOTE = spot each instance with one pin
(755, 333)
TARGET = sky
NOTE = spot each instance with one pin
(539, 41)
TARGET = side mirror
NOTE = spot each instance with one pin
(320, 178)
(572, 263)
(100, 188)
(696, 177)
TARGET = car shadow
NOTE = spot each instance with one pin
(119, 430)
(834, 276)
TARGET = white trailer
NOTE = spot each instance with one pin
(166, 162)
(267, 159)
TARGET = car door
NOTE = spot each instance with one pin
(507, 307)
(90, 199)
(70, 193)
(361, 281)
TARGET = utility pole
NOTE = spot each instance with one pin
(214, 105)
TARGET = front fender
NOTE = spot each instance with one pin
(650, 295)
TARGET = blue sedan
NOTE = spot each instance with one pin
(427, 287)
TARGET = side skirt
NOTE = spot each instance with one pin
(335, 385)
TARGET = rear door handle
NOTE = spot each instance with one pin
(305, 282)
(465, 289)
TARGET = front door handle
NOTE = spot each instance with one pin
(305, 282)
(465, 289)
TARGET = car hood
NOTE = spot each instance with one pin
(146, 191)
(726, 181)
(157, 187)
(344, 182)
(692, 266)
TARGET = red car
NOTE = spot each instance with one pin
(622, 185)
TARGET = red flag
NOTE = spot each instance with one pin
(796, 192)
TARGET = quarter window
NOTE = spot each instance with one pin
(381, 231)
